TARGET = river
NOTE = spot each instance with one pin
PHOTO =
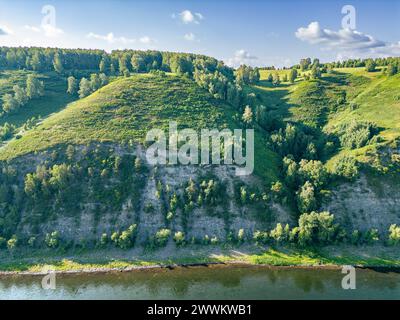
(233, 282)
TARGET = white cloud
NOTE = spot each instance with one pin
(4, 31)
(51, 31)
(32, 28)
(146, 40)
(110, 38)
(187, 17)
(189, 37)
(241, 57)
(348, 41)
(48, 30)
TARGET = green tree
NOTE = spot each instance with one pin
(316, 228)
(306, 201)
(370, 65)
(247, 115)
(34, 87)
(95, 81)
(392, 69)
(394, 234)
(179, 238)
(52, 239)
(12, 243)
(10, 104)
(161, 237)
(57, 64)
(20, 95)
(85, 88)
(292, 75)
(72, 85)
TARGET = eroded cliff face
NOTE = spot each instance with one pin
(224, 210)
(369, 202)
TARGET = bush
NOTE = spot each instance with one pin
(280, 234)
(346, 167)
(12, 243)
(103, 239)
(52, 240)
(394, 234)
(214, 240)
(32, 242)
(356, 237)
(161, 237)
(372, 236)
(356, 134)
(127, 237)
(241, 236)
(306, 200)
(179, 238)
(260, 237)
(316, 228)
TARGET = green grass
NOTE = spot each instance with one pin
(128, 108)
(376, 98)
(281, 256)
(54, 99)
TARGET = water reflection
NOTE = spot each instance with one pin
(207, 283)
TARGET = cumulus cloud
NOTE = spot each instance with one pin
(346, 40)
(48, 30)
(51, 31)
(32, 28)
(110, 38)
(4, 31)
(241, 57)
(189, 37)
(186, 16)
(146, 40)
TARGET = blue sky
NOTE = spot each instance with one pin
(252, 32)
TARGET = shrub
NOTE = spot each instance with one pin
(346, 167)
(127, 237)
(316, 228)
(32, 242)
(103, 239)
(356, 134)
(260, 237)
(372, 236)
(206, 239)
(280, 234)
(214, 240)
(179, 238)
(12, 243)
(115, 237)
(356, 237)
(394, 234)
(306, 200)
(161, 237)
(52, 240)
(241, 236)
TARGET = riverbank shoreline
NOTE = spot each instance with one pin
(109, 261)
(157, 267)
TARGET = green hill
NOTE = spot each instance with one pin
(126, 109)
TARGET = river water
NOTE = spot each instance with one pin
(207, 283)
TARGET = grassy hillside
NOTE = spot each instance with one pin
(345, 95)
(55, 96)
(127, 108)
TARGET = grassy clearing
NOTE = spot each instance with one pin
(54, 99)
